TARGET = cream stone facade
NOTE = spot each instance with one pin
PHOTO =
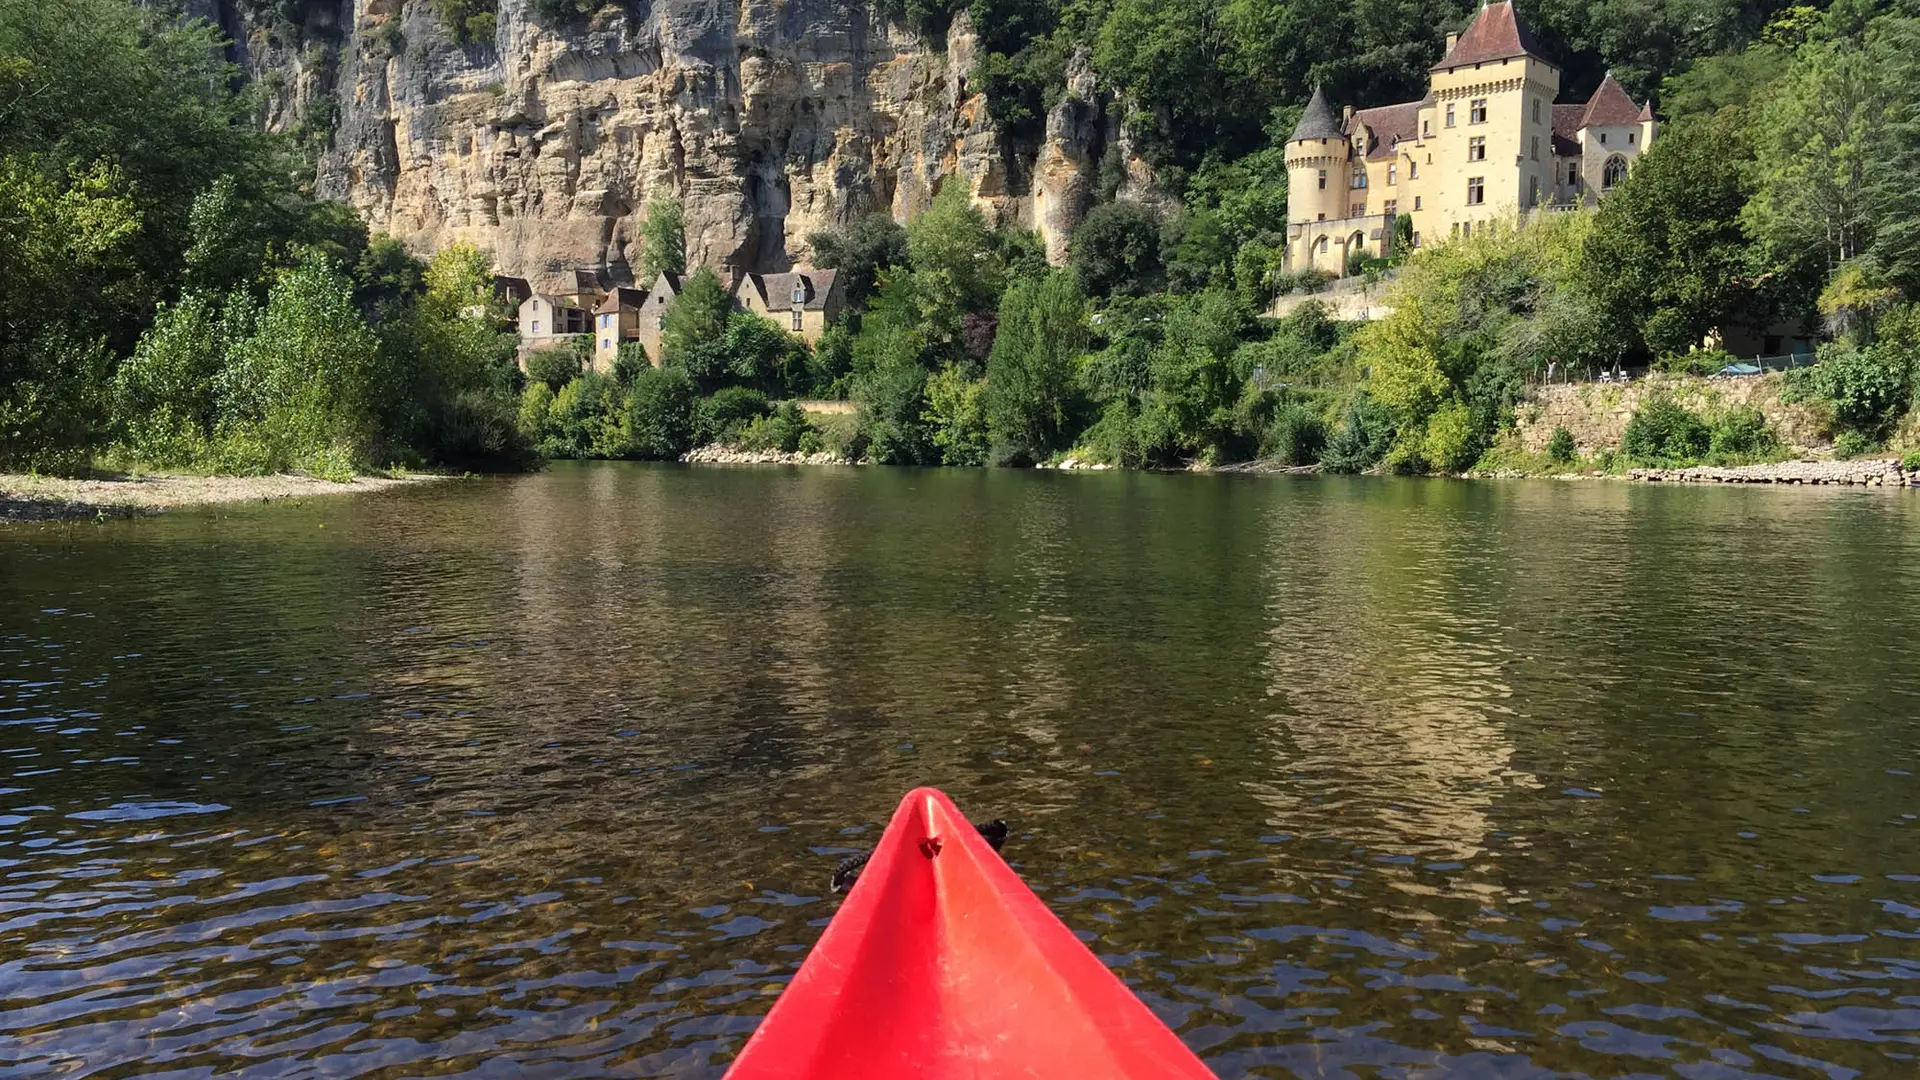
(1485, 146)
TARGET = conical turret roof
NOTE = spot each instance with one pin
(1317, 120)
(1497, 33)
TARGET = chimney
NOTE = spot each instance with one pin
(1452, 40)
(1346, 116)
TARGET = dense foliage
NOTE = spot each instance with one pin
(172, 295)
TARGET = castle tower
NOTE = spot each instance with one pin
(1491, 126)
(1319, 164)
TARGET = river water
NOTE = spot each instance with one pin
(545, 776)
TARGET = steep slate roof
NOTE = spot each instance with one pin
(1386, 123)
(1316, 120)
(1610, 106)
(672, 281)
(1566, 129)
(1497, 33)
(620, 298)
(776, 290)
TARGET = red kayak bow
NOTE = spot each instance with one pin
(942, 964)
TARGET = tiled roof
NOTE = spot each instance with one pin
(776, 290)
(1385, 124)
(1610, 106)
(1566, 129)
(618, 299)
(1646, 111)
(1316, 120)
(1497, 33)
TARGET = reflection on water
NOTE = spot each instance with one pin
(545, 775)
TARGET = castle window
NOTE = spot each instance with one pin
(1359, 176)
(1603, 138)
(1536, 110)
(1615, 172)
(1413, 170)
(1323, 179)
(1416, 202)
(1449, 114)
(1477, 148)
(1533, 148)
(1476, 190)
(1393, 169)
(1358, 209)
(1426, 128)
(1390, 207)
(1629, 138)
(1477, 112)
(1323, 243)
(1533, 191)
(1466, 228)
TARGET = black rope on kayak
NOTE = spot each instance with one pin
(993, 832)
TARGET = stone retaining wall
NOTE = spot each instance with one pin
(1597, 413)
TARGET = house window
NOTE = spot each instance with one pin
(1476, 190)
(1323, 179)
(1573, 175)
(1390, 207)
(1477, 112)
(1359, 176)
(1477, 148)
(1426, 128)
(1449, 114)
(536, 305)
(1533, 191)
(605, 344)
(796, 320)
(1615, 172)
(1393, 170)
(659, 322)
(1536, 110)
(1533, 148)
(536, 326)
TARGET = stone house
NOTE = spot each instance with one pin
(1487, 144)
(802, 301)
(615, 320)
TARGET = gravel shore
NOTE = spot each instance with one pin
(52, 498)
(1860, 472)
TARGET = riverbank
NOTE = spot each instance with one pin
(53, 498)
(1859, 472)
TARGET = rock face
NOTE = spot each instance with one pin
(769, 119)
(1597, 413)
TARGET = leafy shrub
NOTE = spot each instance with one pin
(1664, 432)
(1451, 445)
(1361, 440)
(722, 417)
(1560, 447)
(1851, 444)
(1296, 435)
(956, 413)
(556, 366)
(479, 429)
(1868, 388)
(1697, 362)
(1741, 435)
(1910, 461)
(660, 407)
(786, 430)
(628, 361)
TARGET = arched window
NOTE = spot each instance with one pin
(1356, 242)
(1615, 172)
(1323, 243)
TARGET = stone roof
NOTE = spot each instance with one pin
(776, 290)
(1386, 123)
(1316, 120)
(1566, 129)
(620, 298)
(1497, 33)
(1610, 107)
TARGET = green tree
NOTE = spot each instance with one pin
(956, 416)
(664, 237)
(1667, 254)
(1031, 384)
(1116, 250)
(691, 332)
(872, 244)
(955, 268)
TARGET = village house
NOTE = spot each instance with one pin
(802, 301)
(616, 320)
(1486, 145)
(554, 317)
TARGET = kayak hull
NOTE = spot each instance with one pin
(943, 964)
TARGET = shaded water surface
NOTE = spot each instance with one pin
(545, 776)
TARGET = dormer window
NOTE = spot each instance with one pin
(799, 294)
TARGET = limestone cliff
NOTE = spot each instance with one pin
(769, 119)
